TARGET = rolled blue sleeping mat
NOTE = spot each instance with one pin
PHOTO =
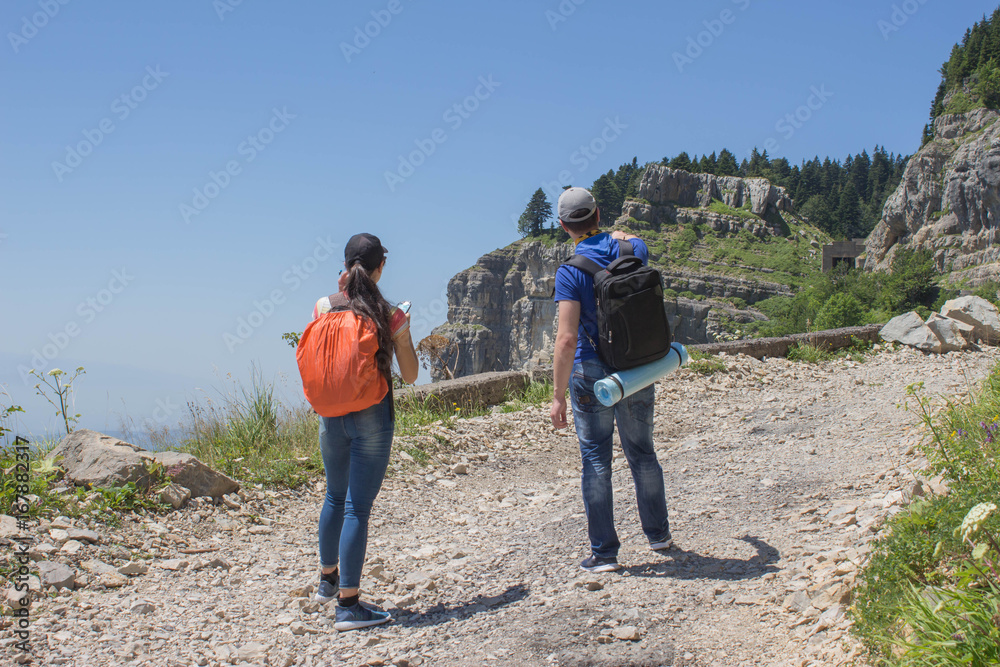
(622, 384)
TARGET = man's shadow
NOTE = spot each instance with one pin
(690, 565)
(442, 614)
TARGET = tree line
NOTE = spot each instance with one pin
(844, 199)
(971, 76)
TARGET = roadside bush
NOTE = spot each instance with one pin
(840, 310)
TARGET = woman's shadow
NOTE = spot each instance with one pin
(690, 565)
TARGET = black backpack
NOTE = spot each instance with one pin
(632, 325)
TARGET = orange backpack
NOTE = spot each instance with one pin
(336, 357)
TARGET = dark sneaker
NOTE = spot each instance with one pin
(326, 591)
(358, 616)
(597, 564)
(662, 545)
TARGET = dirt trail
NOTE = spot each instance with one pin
(777, 474)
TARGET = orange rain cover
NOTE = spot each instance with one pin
(336, 357)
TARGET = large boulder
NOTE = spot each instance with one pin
(94, 459)
(978, 313)
(954, 335)
(909, 329)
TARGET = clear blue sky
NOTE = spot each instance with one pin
(116, 113)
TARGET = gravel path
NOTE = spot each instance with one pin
(777, 475)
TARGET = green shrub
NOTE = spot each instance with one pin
(840, 310)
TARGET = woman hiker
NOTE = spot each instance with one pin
(345, 358)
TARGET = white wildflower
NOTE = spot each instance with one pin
(975, 518)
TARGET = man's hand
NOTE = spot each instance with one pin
(618, 235)
(558, 413)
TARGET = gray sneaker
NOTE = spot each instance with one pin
(662, 545)
(358, 616)
(326, 591)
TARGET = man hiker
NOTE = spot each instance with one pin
(577, 367)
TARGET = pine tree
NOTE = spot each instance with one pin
(848, 213)
(708, 164)
(682, 161)
(608, 197)
(538, 210)
(726, 165)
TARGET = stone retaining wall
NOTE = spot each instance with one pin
(485, 389)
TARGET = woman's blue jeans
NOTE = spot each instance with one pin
(595, 426)
(355, 451)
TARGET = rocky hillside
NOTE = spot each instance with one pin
(948, 201)
(722, 244)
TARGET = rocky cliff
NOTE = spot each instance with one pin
(948, 201)
(501, 314)
(720, 243)
(664, 192)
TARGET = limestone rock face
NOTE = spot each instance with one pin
(94, 459)
(948, 200)
(501, 315)
(662, 191)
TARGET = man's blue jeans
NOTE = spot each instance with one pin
(355, 451)
(595, 425)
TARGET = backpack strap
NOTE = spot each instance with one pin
(625, 249)
(339, 303)
(585, 264)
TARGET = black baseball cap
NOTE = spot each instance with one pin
(365, 249)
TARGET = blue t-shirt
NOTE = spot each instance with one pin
(572, 284)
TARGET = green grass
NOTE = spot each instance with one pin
(718, 206)
(922, 596)
(705, 364)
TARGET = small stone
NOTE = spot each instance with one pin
(56, 575)
(173, 564)
(593, 585)
(62, 522)
(370, 641)
(133, 568)
(142, 607)
(95, 566)
(59, 535)
(232, 501)
(460, 469)
(299, 628)
(17, 599)
(71, 547)
(628, 633)
(251, 651)
(113, 580)
(175, 495)
(260, 530)
(81, 535)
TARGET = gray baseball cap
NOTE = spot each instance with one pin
(576, 205)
